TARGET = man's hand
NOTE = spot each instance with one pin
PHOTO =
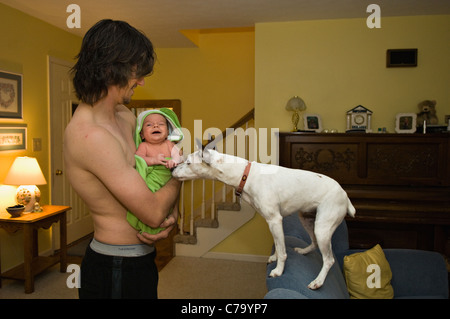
(168, 224)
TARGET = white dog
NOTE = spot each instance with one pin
(274, 192)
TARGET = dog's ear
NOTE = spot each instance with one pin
(206, 156)
(199, 148)
(212, 157)
(214, 142)
(198, 144)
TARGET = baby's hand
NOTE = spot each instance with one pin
(160, 159)
(171, 164)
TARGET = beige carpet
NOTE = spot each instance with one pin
(182, 278)
(50, 284)
(203, 278)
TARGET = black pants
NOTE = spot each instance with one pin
(118, 277)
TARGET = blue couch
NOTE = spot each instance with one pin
(415, 273)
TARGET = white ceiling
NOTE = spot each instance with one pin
(161, 20)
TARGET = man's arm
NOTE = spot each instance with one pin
(168, 224)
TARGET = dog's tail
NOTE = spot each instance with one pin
(350, 208)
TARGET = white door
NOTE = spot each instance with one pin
(62, 104)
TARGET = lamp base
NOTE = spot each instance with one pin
(295, 119)
(28, 195)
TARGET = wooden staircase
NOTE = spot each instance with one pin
(218, 216)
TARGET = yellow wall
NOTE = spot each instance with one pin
(25, 49)
(335, 65)
(215, 82)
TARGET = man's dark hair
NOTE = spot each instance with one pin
(112, 53)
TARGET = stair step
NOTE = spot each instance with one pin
(229, 206)
(185, 239)
(207, 222)
(207, 238)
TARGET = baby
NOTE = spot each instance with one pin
(155, 147)
(155, 137)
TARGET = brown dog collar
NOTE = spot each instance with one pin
(243, 180)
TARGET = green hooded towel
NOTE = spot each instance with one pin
(156, 176)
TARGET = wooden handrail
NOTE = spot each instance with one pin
(211, 202)
(247, 117)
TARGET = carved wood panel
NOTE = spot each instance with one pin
(338, 161)
(370, 159)
(403, 163)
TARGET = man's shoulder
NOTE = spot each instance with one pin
(85, 134)
(126, 114)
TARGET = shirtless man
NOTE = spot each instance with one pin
(99, 157)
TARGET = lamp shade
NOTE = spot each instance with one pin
(296, 104)
(25, 171)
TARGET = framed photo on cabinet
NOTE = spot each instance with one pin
(405, 123)
(312, 122)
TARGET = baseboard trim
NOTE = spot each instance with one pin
(237, 257)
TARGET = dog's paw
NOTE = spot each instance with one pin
(272, 258)
(275, 273)
(315, 284)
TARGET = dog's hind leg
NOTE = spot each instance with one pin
(328, 261)
(324, 229)
(308, 224)
(276, 228)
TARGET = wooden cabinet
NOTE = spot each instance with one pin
(399, 183)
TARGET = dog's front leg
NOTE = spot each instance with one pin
(276, 228)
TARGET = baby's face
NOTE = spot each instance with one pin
(154, 128)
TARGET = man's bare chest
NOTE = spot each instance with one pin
(125, 139)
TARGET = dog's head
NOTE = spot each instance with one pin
(200, 164)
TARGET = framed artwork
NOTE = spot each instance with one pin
(400, 58)
(312, 122)
(13, 137)
(405, 122)
(10, 95)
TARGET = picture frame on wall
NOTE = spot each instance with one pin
(13, 137)
(405, 122)
(312, 122)
(10, 95)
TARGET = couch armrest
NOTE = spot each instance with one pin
(417, 273)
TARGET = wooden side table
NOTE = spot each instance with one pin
(33, 263)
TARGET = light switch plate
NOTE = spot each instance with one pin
(37, 144)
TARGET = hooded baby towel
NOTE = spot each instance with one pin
(155, 176)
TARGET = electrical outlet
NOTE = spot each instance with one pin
(37, 144)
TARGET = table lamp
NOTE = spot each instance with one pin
(26, 173)
(295, 104)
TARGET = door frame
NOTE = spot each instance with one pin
(79, 215)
